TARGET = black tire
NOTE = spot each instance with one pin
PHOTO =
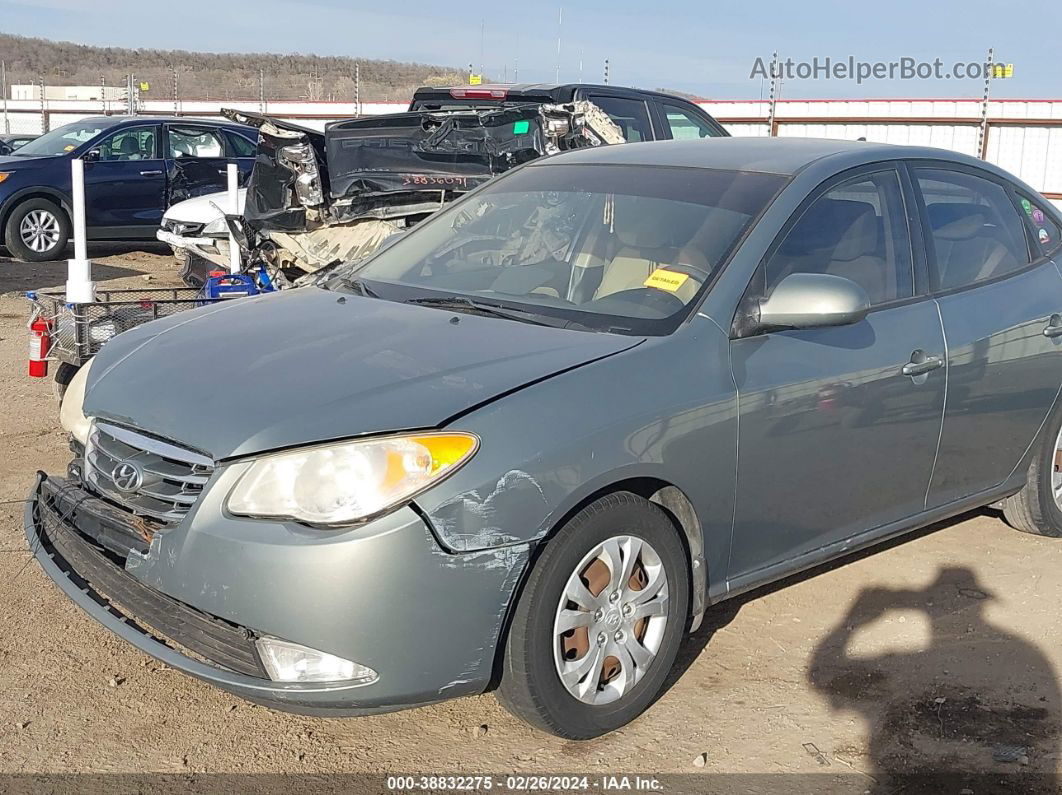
(531, 687)
(13, 236)
(64, 374)
(1033, 509)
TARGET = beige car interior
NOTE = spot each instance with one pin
(970, 244)
(640, 239)
(841, 237)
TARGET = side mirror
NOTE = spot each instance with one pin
(813, 300)
(91, 156)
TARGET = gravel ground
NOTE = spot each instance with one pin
(934, 653)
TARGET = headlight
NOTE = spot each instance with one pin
(216, 227)
(338, 484)
(71, 416)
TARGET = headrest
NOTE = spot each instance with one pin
(129, 146)
(844, 228)
(652, 223)
(861, 239)
(957, 221)
(644, 232)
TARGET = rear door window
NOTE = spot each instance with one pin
(684, 123)
(631, 115)
(976, 234)
(195, 142)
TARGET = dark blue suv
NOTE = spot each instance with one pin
(135, 167)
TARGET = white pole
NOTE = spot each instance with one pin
(7, 122)
(560, 26)
(234, 208)
(80, 289)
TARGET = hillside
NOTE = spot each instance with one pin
(229, 76)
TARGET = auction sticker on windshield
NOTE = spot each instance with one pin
(664, 279)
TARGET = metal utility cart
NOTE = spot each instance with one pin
(74, 333)
(70, 326)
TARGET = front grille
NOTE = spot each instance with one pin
(148, 476)
(87, 563)
(182, 228)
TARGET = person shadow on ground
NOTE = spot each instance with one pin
(976, 710)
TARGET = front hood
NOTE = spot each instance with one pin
(27, 162)
(204, 209)
(298, 367)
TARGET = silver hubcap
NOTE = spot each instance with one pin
(1056, 471)
(39, 231)
(610, 620)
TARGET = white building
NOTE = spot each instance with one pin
(29, 91)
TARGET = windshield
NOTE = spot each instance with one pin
(617, 248)
(63, 139)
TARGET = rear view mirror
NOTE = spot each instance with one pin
(91, 156)
(813, 300)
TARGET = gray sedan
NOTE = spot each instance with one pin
(530, 443)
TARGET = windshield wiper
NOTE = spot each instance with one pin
(359, 286)
(463, 303)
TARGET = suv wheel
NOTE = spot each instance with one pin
(37, 231)
(600, 620)
(1037, 508)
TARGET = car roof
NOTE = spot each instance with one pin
(783, 156)
(553, 90)
(115, 120)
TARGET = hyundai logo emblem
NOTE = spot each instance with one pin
(127, 476)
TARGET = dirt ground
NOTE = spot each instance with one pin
(937, 653)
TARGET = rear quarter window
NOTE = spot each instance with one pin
(1044, 230)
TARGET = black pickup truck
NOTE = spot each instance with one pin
(641, 115)
(316, 198)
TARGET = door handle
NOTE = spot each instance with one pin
(155, 173)
(1053, 327)
(921, 363)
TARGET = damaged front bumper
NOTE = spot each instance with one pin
(214, 249)
(198, 595)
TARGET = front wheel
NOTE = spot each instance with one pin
(600, 620)
(64, 374)
(37, 231)
(1037, 508)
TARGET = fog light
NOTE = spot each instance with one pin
(289, 662)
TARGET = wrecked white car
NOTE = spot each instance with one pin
(198, 233)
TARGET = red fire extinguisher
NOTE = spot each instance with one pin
(39, 343)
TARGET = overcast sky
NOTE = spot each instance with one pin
(691, 45)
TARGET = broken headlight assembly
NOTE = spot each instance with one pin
(219, 227)
(300, 159)
(340, 484)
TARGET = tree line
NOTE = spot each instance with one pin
(225, 76)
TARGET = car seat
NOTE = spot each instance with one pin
(970, 245)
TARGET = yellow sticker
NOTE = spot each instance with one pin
(69, 148)
(664, 279)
